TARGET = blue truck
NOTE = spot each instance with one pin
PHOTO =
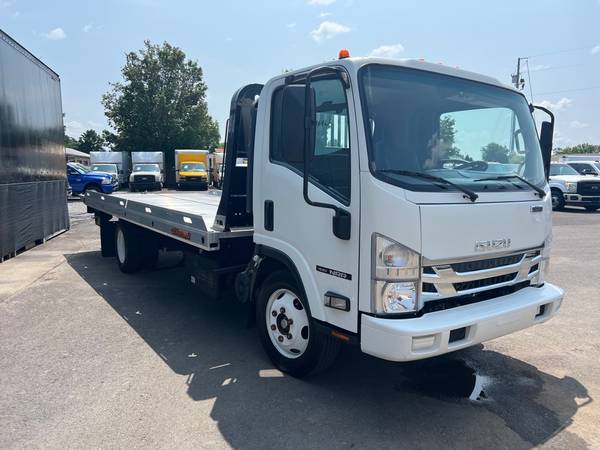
(83, 180)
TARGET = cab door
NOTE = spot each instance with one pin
(75, 179)
(303, 228)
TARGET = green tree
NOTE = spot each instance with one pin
(579, 149)
(495, 153)
(447, 136)
(160, 104)
(90, 141)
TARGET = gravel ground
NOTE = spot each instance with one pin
(90, 357)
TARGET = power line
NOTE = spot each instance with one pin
(529, 81)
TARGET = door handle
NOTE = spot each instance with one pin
(269, 215)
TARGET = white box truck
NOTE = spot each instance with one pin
(147, 171)
(366, 214)
(115, 163)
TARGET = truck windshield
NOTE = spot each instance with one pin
(193, 167)
(146, 168)
(562, 169)
(108, 168)
(470, 133)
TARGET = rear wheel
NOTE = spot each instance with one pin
(128, 248)
(558, 201)
(287, 331)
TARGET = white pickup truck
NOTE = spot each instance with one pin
(571, 188)
(348, 224)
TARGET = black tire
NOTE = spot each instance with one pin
(91, 188)
(321, 350)
(131, 188)
(129, 250)
(558, 200)
(592, 208)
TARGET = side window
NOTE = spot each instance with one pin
(330, 163)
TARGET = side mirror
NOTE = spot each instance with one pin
(546, 137)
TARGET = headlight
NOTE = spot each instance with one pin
(106, 180)
(396, 277)
(571, 187)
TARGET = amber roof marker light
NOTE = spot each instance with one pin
(343, 54)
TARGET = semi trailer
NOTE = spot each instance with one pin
(349, 225)
(33, 181)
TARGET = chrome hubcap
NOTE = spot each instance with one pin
(287, 323)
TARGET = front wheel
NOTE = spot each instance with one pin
(287, 330)
(558, 201)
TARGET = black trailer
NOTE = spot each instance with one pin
(33, 183)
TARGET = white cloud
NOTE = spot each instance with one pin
(595, 49)
(88, 27)
(577, 124)
(327, 30)
(74, 128)
(538, 67)
(324, 14)
(291, 26)
(387, 51)
(56, 34)
(321, 2)
(563, 103)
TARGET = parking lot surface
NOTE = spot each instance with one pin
(91, 357)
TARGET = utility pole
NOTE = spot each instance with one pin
(516, 78)
(519, 84)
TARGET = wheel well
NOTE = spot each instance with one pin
(92, 184)
(556, 189)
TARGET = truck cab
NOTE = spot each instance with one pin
(145, 177)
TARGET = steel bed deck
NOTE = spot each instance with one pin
(186, 216)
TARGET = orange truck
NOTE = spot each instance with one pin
(191, 168)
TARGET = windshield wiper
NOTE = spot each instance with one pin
(538, 190)
(409, 173)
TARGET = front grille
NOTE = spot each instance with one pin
(484, 282)
(588, 188)
(483, 264)
(448, 279)
(143, 178)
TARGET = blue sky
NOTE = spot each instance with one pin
(239, 42)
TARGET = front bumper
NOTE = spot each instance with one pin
(429, 335)
(581, 200)
(109, 188)
(193, 184)
(146, 185)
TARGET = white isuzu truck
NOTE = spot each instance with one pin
(366, 213)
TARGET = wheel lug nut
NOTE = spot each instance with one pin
(282, 310)
(274, 313)
(289, 336)
(273, 327)
(280, 338)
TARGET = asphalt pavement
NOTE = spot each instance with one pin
(90, 357)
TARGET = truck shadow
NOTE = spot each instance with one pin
(360, 402)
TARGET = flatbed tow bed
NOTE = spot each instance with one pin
(190, 217)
